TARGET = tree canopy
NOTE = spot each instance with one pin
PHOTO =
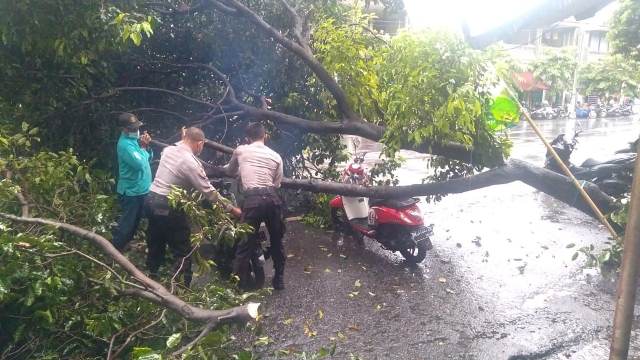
(624, 34)
(556, 69)
(612, 75)
(170, 63)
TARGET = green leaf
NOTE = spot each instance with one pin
(575, 256)
(174, 340)
(146, 26)
(144, 353)
(3, 290)
(44, 315)
(150, 357)
(136, 38)
(120, 17)
(243, 355)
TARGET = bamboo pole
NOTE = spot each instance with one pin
(565, 169)
(626, 294)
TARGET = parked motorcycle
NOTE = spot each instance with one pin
(560, 112)
(613, 176)
(544, 113)
(397, 224)
(619, 110)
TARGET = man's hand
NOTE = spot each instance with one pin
(144, 140)
(236, 212)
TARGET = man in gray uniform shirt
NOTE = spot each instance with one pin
(260, 170)
(178, 167)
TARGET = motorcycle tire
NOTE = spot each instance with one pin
(416, 254)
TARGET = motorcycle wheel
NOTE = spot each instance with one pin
(418, 252)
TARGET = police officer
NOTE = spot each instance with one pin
(134, 178)
(260, 170)
(178, 167)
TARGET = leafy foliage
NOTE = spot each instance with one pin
(556, 69)
(56, 300)
(611, 75)
(319, 213)
(353, 55)
(624, 33)
(436, 89)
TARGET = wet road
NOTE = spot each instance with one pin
(499, 283)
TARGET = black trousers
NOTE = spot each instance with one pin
(168, 227)
(258, 209)
(131, 208)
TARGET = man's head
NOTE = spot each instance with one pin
(255, 132)
(129, 122)
(194, 138)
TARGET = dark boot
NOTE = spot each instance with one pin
(257, 265)
(278, 277)
(242, 269)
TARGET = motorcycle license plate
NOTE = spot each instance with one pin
(423, 233)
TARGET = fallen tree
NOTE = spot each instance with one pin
(549, 182)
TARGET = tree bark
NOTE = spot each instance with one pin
(546, 181)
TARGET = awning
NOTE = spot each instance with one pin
(527, 82)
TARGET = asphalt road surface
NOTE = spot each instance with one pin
(499, 283)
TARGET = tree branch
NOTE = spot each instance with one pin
(229, 92)
(165, 111)
(304, 53)
(175, 93)
(132, 335)
(206, 330)
(155, 292)
(212, 118)
(366, 130)
(549, 182)
(298, 24)
(167, 9)
(24, 204)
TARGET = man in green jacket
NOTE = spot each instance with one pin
(134, 177)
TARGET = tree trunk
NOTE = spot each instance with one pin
(547, 181)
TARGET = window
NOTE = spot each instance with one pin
(598, 42)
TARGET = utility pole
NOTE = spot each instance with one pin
(579, 36)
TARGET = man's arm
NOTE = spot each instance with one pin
(232, 167)
(200, 182)
(277, 180)
(131, 156)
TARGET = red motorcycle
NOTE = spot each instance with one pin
(398, 225)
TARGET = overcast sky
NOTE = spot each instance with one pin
(481, 15)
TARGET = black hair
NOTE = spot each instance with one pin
(255, 131)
